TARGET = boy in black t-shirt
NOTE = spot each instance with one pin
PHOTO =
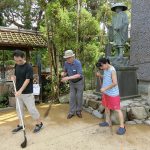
(24, 86)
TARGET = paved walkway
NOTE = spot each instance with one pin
(75, 134)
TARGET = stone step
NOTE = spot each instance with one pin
(94, 104)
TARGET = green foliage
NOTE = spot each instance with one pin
(50, 89)
(10, 63)
(4, 100)
(64, 34)
(6, 58)
(67, 3)
(89, 26)
(43, 53)
(91, 54)
(104, 13)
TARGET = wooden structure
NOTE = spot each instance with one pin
(20, 39)
(26, 40)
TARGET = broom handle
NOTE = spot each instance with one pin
(19, 106)
(110, 122)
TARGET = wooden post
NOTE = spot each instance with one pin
(28, 55)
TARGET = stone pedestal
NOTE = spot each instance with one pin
(127, 82)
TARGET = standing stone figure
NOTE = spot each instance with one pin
(120, 28)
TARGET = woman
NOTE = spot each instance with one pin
(110, 93)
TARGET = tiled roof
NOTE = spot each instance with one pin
(21, 38)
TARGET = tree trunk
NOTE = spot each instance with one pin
(78, 23)
(48, 44)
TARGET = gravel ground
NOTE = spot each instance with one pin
(74, 134)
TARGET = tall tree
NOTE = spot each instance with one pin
(24, 14)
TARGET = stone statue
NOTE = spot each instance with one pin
(119, 28)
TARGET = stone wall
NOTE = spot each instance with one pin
(135, 110)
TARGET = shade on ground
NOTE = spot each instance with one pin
(74, 134)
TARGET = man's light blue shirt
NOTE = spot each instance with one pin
(74, 68)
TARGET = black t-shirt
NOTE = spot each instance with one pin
(23, 72)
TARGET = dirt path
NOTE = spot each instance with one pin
(75, 134)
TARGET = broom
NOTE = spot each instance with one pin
(24, 143)
(48, 110)
(110, 123)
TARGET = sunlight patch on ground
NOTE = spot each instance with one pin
(54, 105)
(9, 117)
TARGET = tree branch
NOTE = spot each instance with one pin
(12, 20)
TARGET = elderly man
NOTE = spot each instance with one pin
(120, 28)
(73, 73)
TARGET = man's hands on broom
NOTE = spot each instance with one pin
(64, 78)
(63, 74)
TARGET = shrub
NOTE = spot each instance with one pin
(4, 100)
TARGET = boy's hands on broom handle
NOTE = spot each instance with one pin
(13, 78)
(19, 92)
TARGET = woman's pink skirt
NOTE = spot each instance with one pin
(111, 102)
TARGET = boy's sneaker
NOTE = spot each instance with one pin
(121, 131)
(19, 128)
(38, 127)
(104, 124)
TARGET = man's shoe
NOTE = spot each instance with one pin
(38, 127)
(70, 116)
(19, 128)
(79, 114)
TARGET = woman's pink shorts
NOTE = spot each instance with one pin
(111, 102)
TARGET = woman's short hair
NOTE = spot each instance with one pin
(102, 61)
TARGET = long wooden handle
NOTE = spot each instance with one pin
(22, 122)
